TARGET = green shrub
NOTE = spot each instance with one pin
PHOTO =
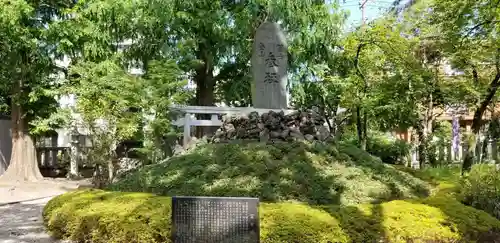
(389, 150)
(99, 216)
(481, 189)
(307, 172)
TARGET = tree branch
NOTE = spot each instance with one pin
(356, 62)
(343, 120)
(475, 75)
(490, 93)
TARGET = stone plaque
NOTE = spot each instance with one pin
(215, 220)
(269, 67)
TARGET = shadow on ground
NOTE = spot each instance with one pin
(22, 223)
(328, 180)
(312, 173)
(118, 216)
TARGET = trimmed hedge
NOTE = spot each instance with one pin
(101, 216)
(315, 173)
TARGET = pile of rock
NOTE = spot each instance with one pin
(275, 126)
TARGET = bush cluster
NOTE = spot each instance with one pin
(389, 150)
(481, 189)
(315, 173)
(115, 217)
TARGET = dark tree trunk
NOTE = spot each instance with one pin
(205, 89)
(361, 127)
(205, 93)
(424, 129)
(428, 122)
(477, 122)
(365, 130)
(422, 146)
(361, 119)
(23, 163)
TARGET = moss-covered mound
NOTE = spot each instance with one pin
(307, 172)
(98, 216)
(446, 181)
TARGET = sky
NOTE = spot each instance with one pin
(373, 9)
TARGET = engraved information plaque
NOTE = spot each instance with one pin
(215, 220)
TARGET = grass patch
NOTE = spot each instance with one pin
(445, 180)
(479, 188)
(314, 173)
(101, 216)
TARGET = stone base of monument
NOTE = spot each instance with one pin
(273, 126)
(215, 220)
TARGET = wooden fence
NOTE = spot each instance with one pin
(55, 161)
(485, 152)
(53, 157)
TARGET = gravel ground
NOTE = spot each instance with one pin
(22, 223)
(21, 208)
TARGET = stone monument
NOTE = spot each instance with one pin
(269, 67)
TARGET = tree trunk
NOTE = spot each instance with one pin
(365, 130)
(425, 154)
(469, 154)
(204, 97)
(424, 130)
(477, 123)
(422, 145)
(329, 112)
(23, 162)
(361, 129)
(3, 166)
(205, 88)
(361, 118)
(205, 94)
(429, 120)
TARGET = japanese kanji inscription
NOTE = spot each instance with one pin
(269, 67)
(215, 220)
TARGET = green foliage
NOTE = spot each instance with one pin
(106, 96)
(163, 88)
(105, 91)
(443, 131)
(445, 179)
(26, 65)
(389, 150)
(100, 216)
(481, 189)
(469, 29)
(427, 220)
(314, 173)
(324, 94)
(393, 151)
(115, 106)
